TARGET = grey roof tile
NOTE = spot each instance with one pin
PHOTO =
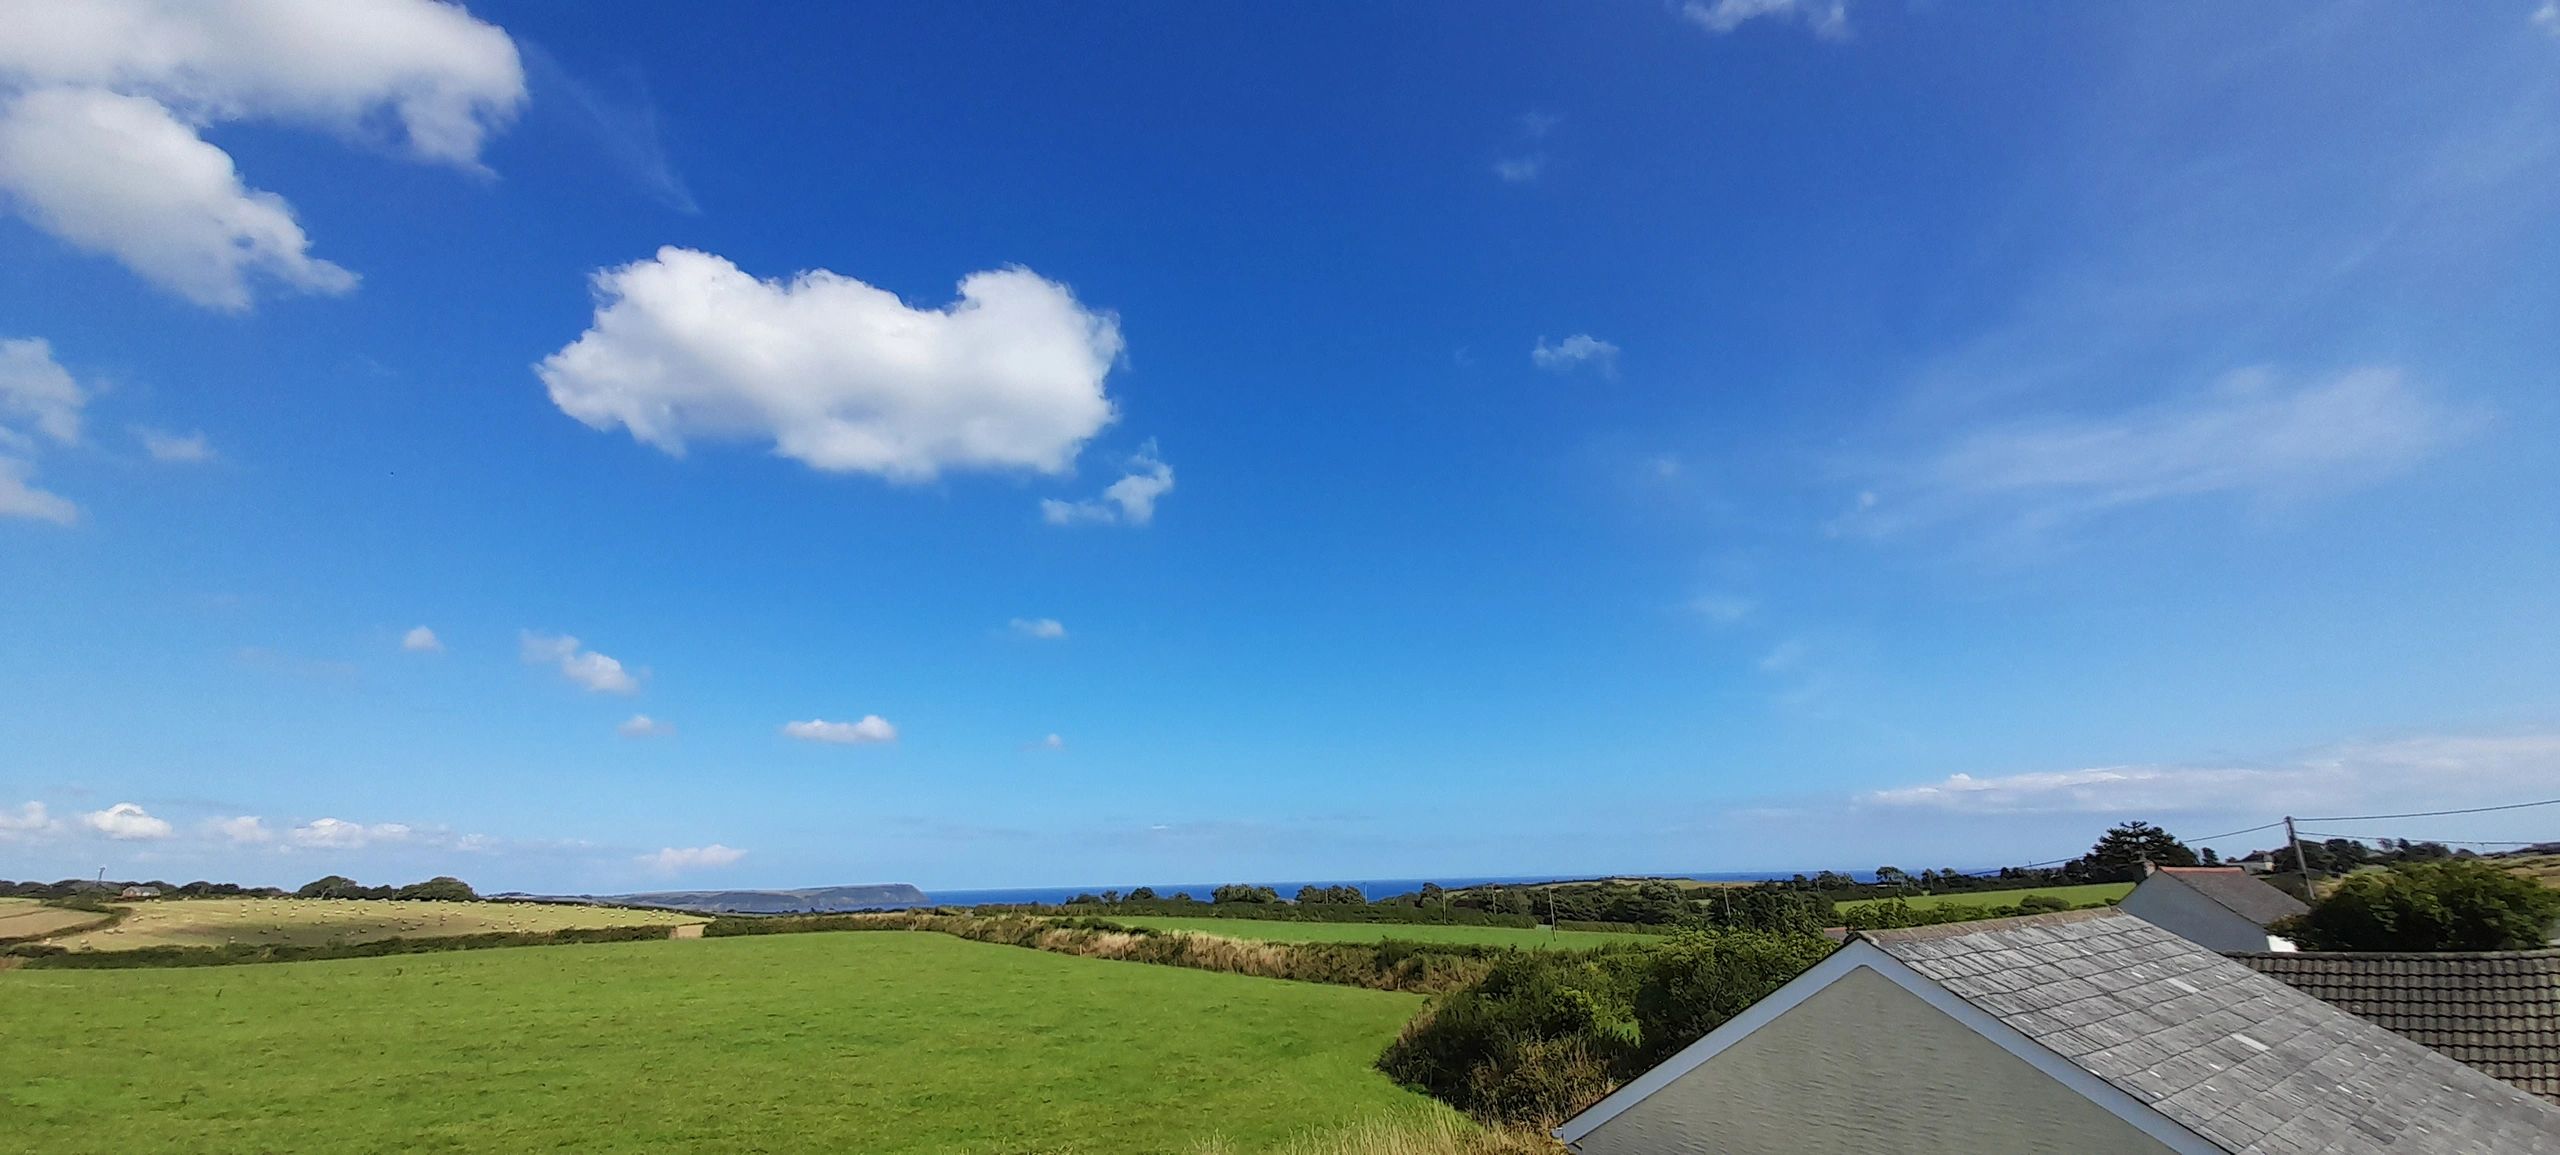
(2251, 1064)
(2497, 1011)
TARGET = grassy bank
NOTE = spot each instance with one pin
(884, 1042)
(2081, 895)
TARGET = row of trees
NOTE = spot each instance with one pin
(442, 888)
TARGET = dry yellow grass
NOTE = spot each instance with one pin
(1433, 1133)
(315, 921)
(27, 917)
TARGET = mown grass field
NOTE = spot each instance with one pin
(27, 917)
(865, 1041)
(1281, 931)
(313, 921)
(2081, 895)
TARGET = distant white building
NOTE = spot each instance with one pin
(139, 892)
(2220, 908)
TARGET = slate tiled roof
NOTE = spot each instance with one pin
(2497, 1011)
(2250, 1064)
(2239, 892)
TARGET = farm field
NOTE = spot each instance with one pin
(27, 917)
(2081, 895)
(1282, 931)
(874, 1041)
(312, 921)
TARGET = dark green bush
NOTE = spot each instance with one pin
(2453, 904)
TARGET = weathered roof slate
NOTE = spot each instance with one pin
(2249, 1063)
(2497, 1011)
(2239, 892)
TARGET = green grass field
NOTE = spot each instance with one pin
(869, 1041)
(2081, 895)
(313, 921)
(1280, 931)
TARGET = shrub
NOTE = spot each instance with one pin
(1692, 984)
(2453, 904)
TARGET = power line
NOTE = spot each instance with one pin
(2432, 813)
(2442, 841)
(2234, 833)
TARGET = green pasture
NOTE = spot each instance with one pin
(2081, 895)
(873, 1041)
(1280, 931)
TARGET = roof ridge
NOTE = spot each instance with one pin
(1983, 925)
(2540, 952)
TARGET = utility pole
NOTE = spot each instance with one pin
(2300, 864)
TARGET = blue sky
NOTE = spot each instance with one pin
(581, 448)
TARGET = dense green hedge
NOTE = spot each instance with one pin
(1545, 1034)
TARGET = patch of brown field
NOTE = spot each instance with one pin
(28, 919)
(202, 922)
(1438, 1133)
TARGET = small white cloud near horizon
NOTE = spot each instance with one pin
(1829, 19)
(38, 398)
(102, 115)
(28, 818)
(176, 449)
(334, 834)
(1575, 352)
(1044, 629)
(245, 830)
(837, 374)
(2428, 772)
(597, 672)
(676, 859)
(644, 726)
(1128, 501)
(872, 728)
(421, 640)
(126, 822)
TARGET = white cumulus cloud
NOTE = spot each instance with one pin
(838, 374)
(1045, 629)
(595, 671)
(102, 103)
(421, 640)
(675, 859)
(1128, 501)
(177, 449)
(644, 726)
(38, 399)
(1520, 169)
(872, 728)
(1575, 352)
(125, 821)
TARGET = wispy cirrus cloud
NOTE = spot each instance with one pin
(1579, 351)
(678, 859)
(2252, 434)
(871, 729)
(1828, 19)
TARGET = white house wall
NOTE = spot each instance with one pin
(2171, 905)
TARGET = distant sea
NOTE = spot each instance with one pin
(1373, 888)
